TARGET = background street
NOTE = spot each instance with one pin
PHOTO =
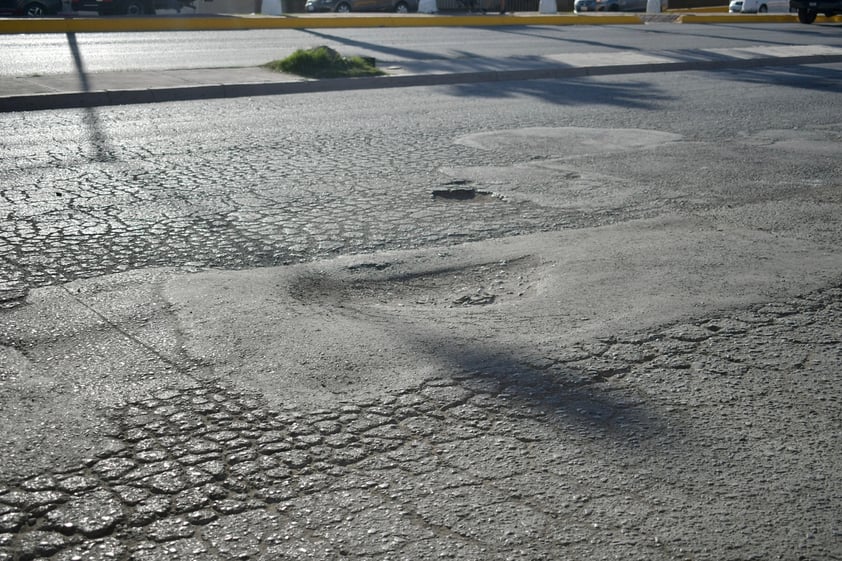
(49, 54)
(553, 319)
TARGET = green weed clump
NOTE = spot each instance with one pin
(324, 62)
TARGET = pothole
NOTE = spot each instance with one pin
(480, 298)
(389, 285)
(460, 190)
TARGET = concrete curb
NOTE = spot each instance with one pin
(69, 100)
(234, 22)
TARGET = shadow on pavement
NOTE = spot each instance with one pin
(402, 53)
(798, 77)
(749, 41)
(569, 384)
(99, 141)
(566, 395)
(800, 29)
(527, 32)
(580, 91)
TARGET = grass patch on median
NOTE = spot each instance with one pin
(324, 62)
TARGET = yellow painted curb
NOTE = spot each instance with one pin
(293, 21)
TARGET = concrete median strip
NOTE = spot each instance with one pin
(208, 84)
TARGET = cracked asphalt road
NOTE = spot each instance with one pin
(637, 356)
(585, 453)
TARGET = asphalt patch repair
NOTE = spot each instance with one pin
(621, 377)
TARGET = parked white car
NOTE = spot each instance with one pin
(748, 7)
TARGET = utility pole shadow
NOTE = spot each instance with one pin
(99, 141)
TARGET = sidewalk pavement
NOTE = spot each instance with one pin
(58, 91)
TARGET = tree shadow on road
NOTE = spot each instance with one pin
(564, 395)
(705, 32)
(530, 32)
(636, 94)
(569, 385)
(396, 52)
(806, 30)
(798, 77)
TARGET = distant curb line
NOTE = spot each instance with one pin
(69, 100)
(316, 21)
(297, 21)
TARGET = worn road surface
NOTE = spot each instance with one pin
(592, 319)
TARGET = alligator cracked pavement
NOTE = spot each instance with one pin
(611, 392)
(544, 339)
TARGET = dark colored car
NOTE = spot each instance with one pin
(128, 7)
(400, 6)
(30, 8)
(613, 5)
(609, 6)
(809, 9)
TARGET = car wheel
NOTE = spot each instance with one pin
(402, 8)
(806, 16)
(343, 7)
(135, 8)
(35, 10)
(763, 8)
